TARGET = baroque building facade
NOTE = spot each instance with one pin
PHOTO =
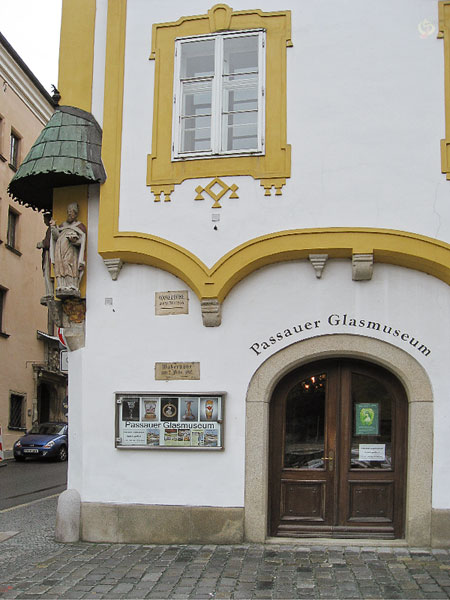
(32, 388)
(264, 347)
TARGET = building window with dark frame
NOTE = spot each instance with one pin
(11, 236)
(14, 145)
(2, 306)
(2, 125)
(17, 411)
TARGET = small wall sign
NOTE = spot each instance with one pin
(177, 370)
(172, 303)
(372, 452)
(367, 418)
(64, 361)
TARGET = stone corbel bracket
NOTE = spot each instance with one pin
(318, 262)
(211, 312)
(113, 265)
(362, 267)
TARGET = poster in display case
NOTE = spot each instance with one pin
(169, 421)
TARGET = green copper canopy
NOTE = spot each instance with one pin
(67, 152)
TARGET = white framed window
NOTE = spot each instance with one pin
(219, 95)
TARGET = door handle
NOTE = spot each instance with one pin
(330, 460)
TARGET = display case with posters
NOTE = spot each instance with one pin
(169, 421)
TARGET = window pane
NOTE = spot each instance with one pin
(305, 424)
(195, 134)
(240, 93)
(196, 99)
(240, 131)
(242, 96)
(240, 54)
(371, 424)
(196, 117)
(48, 428)
(197, 59)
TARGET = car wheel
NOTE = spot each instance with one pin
(19, 458)
(62, 454)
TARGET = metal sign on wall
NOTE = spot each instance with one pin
(169, 421)
(64, 361)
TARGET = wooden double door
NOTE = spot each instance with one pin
(338, 452)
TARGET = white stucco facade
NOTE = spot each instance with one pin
(120, 345)
(365, 113)
(363, 124)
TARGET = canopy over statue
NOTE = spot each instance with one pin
(68, 254)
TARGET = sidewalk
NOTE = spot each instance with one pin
(33, 566)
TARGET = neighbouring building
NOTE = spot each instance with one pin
(32, 388)
(256, 295)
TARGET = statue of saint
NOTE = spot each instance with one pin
(46, 262)
(68, 256)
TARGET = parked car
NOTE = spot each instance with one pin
(49, 440)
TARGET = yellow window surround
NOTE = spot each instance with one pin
(444, 33)
(274, 166)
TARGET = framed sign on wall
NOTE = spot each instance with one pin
(152, 421)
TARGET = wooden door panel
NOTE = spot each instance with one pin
(304, 501)
(371, 501)
(323, 477)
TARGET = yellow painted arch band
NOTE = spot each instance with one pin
(387, 246)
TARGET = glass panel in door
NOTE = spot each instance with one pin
(305, 424)
(371, 445)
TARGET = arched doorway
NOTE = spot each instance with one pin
(338, 450)
(419, 393)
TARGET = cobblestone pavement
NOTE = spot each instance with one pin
(33, 566)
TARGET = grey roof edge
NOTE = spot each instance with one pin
(79, 112)
(35, 179)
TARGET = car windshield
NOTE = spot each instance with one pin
(48, 428)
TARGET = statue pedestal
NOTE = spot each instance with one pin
(65, 293)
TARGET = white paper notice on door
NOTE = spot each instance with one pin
(372, 452)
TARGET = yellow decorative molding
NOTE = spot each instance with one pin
(219, 195)
(76, 64)
(387, 246)
(112, 123)
(219, 17)
(444, 33)
(276, 184)
(276, 162)
(162, 190)
(76, 53)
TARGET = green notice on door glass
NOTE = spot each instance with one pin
(367, 419)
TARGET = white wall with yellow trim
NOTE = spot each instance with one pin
(364, 114)
(364, 122)
(126, 338)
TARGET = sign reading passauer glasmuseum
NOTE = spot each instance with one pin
(177, 370)
(171, 303)
(152, 421)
